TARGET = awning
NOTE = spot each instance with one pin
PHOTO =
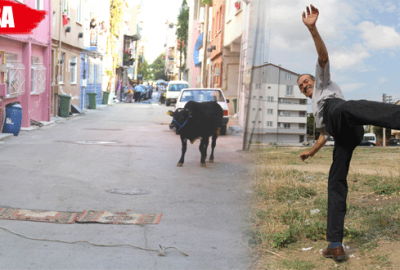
(197, 46)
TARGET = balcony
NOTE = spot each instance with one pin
(128, 62)
(291, 119)
(292, 107)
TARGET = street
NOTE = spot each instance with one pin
(72, 165)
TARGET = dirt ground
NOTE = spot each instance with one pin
(375, 161)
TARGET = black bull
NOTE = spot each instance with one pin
(198, 121)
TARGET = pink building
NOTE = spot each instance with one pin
(25, 76)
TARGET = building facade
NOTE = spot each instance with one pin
(27, 68)
(278, 110)
(67, 45)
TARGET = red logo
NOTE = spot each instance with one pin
(16, 18)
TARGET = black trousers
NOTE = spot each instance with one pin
(344, 120)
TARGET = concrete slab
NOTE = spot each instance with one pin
(5, 135)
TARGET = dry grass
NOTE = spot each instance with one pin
(290, 208)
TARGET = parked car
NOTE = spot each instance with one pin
(371, 137)
(394, 142)
(173, 90)
(330, 141)
(366, 143)
(143, 92)
(204, 95)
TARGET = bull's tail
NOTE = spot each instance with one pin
(218, 131)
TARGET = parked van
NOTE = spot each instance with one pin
(173, 90)
(370, 137)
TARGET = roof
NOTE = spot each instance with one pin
(269, 64)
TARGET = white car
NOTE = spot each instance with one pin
(204, 95)
(173, 90)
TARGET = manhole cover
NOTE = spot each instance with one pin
(96, 142)
(129, 191)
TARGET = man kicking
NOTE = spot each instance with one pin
(344, 121)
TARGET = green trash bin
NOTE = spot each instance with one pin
(92, 100)
(235, 105)
(105, 97)
(64, 105)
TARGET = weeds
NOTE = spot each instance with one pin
(284, 198)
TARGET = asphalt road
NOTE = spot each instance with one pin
(69, 166)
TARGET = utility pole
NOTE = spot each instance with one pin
(205, 37)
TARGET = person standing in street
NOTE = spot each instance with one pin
(344, 121)
(138, 92)
(150, 88)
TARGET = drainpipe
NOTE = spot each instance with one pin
(4, 77)
(205, 37)
(58, 59)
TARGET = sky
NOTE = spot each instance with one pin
(154, 14)
(362, 38)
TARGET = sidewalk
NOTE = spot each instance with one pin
(54, 120)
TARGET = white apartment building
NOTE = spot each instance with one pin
(277, 112)
(171, 53)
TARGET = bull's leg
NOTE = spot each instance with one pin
(213, 144)
(203, 150)
(184, 146)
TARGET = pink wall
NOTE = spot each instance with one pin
(41, 33)
(37, 44)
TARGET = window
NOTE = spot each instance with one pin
(288, 76)
(303, 101)
(38, 76)
(66, 7)
(269, 123)
(284, 125)
(270, 111)
(99, 71)
(15, 76)
(302, 114)
(302, 126)
(220, 19)
(54, 19)
(289, 90)
(270, 99)
(78, 11)
(61, 68)
(91, 72)
(73, 63)
(39, 4)
(284, 113)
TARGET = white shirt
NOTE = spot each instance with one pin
(324, 89)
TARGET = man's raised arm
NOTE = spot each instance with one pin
(310, 21)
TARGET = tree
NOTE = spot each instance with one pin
(158, 67)
(144, 68)
(311, 128)
(379, 133)
(182, 34)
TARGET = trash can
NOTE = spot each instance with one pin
(105, 97)
(64, 105)
(235, 105)
(13, 119)
(92, 100)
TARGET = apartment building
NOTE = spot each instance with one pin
(278, 110)
(171, 52)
